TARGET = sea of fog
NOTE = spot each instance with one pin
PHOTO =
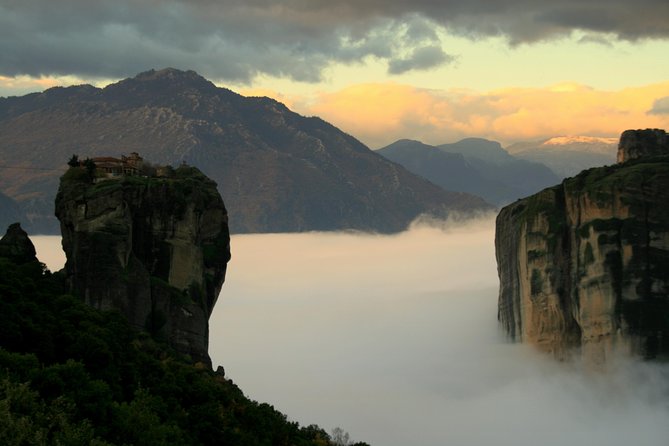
(395, 340)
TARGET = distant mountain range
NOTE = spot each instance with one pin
(9, 212)
(473, 165)
(276, 170)
(568, 155)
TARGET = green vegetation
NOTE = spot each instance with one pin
(73, 375)
(184, 186)
(535, 254)
(550, 204)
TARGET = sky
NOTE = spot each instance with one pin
(432, 70)
(395, 340)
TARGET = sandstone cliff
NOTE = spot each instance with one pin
(585, 264)
(154, 248)
(642, 144)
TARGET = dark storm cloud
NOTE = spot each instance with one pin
(237, 40)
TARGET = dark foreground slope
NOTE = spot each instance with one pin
(276, 170)
(73, 375)
(585, 264)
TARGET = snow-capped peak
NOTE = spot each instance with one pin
(565, 140)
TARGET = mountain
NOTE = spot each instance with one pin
(449, 170)
(568, 155)
(473, 165)
(583, 265)
(9, 211)
(276, 170)
(480, 149)
(520, 177)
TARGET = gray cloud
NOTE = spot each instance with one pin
(236, 40)
(660, 106)
(419, 59)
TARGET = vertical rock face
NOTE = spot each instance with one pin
(155, 249)
(585, 265)
(642, 143)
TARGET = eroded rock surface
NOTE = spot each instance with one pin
(585, 265)
(642, 144)
(154, 248)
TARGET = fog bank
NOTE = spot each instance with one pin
(395, 339)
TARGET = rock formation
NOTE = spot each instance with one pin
(155, 249)
(642, 143)
(585, 264)
(16, 246)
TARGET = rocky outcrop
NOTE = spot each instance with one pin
(155, 249)
(642, 144)
(16, 246)
(583, 265)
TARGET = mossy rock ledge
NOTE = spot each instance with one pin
(154, 248)
(584, 265)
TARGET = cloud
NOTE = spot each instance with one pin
(419, 59)
(381, 113)
(21, 85)
(660, 106)
(236, 40)
(395, 339)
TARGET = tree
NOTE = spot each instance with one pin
(340, 437)
(90, 168)
(74, 161)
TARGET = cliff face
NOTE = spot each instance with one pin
(642, 144)
(154, 248)
(584, 264)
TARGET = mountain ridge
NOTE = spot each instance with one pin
(568, 155)
(473, 165)
(278, 171)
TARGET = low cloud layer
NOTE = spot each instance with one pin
(235, 40)
(395, 339)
